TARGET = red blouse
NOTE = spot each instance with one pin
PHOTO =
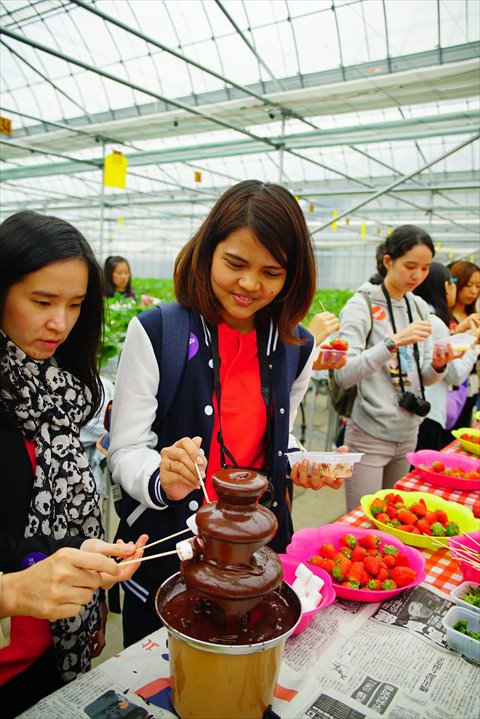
(244, 419)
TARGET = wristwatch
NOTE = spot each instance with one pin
(390, 344)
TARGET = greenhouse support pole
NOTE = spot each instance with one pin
(102, 203)
(282, 151)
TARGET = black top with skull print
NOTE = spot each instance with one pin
(16, 482)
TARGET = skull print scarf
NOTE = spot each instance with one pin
(64, 498)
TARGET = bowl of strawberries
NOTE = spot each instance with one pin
(365, 565)
(419, 519)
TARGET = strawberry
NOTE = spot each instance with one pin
(451, 529)
(358, 554)
(382, 574)
(369, 541)
(406, 517)
(383, 518)
(351, 585)
(374, 584)
(328, 565)
(403, 576)
(437, 529)
(390, 549)
(388, 584)
(378, 505)
(418, 509)
(391, 510)
(327, 550)
(372, 565)
(423, 527)
(441, 516)
(365, 578)
(340, 568)
(355, 572)
(336, 343)
(348, 540)
(438, 467)
(401, 560)
(316, 560)
(389, 560)
(430, 517)
(346, 551)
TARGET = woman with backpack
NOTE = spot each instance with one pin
(243, 283)
(391, 359)
(439, 291)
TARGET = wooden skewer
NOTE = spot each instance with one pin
(321, 305)
(202, 483)
(164, 539)
(145, 559)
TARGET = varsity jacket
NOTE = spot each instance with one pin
(135, 440)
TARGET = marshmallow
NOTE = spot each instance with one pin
(303, 573)
(192, 524)
(307, 604)
(315, 598)
(299, 587)
(314, 584)
(185, 549)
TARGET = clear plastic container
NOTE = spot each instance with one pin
(332, 464)
(468, 646)
(460, 342)
(458, 593)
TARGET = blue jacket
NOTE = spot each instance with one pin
(146, 508)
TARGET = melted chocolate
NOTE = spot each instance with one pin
(231, 593)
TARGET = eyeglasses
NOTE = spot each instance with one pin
(452, 280)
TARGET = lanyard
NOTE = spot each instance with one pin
(416, 353)
(266, 394)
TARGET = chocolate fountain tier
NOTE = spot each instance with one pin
(235, 581)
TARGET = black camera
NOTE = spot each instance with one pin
(415, 405)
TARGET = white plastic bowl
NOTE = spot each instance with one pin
(332, 464)
(460, 343)
(459, 591)
(468, 646)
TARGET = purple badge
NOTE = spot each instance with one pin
(193, 346)
(32, 559)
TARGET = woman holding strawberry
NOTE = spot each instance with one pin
(390, 361)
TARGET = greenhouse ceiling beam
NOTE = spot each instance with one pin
(314, 139)
(133, 86)
(171, 51)
(400, 181)
(456, 123)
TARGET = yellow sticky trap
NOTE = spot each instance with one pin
(120, 221)
(389, 231)
(450, 253)
(197, 176)
(363, 230)
(347, 221)
(5, 126)
(115, 170)
(334, 224)
(311, 207)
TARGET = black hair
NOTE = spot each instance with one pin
(401, 241)
(432, 290)
(274, 217)
(108, 269)
(30, 241)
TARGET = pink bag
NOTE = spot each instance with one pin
(456, 399)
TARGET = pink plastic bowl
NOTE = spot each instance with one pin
(450, 460)
(471, 540)
(328, 593)
(307, 542)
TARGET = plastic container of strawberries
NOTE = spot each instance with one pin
(307, 542)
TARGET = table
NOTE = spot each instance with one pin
(412, 482)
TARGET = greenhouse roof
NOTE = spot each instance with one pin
(367, 110)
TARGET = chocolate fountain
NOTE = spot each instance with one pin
(228, 612)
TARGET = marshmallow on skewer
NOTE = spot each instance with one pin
(185, 549)
(192, 524)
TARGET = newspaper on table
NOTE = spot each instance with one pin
(355, 661)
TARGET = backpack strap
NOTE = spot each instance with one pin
(173, 321)
(368, 300)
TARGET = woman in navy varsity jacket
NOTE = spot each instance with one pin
(243, 283)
